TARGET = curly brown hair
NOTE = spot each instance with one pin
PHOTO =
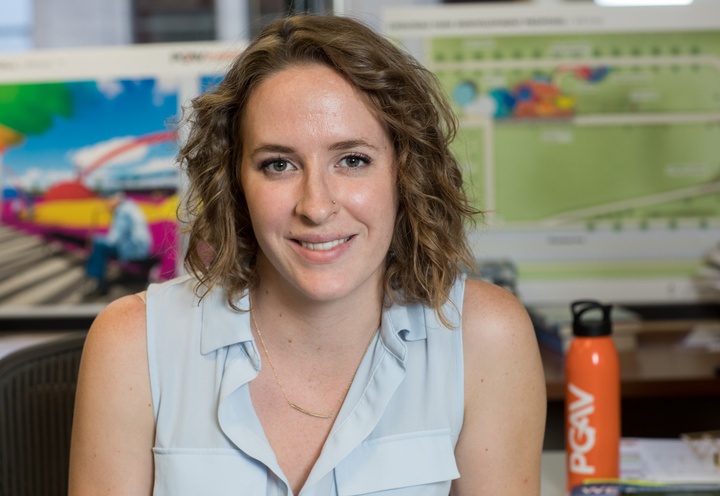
(429, 246)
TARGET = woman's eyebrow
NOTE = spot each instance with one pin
(271, 148)
(345, 145)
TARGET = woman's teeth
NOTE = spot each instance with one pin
(328, 245)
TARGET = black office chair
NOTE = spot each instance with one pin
(37, 396)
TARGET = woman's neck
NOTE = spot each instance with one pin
(306, 326)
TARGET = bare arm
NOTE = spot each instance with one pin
(113, 426)
(500, 445)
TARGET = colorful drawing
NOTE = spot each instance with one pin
(65, 146)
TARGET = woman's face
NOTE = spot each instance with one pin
(319, 178)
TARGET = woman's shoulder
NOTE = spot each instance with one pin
(121, 323)
(124, 311)
(486, 301)
(494, 316)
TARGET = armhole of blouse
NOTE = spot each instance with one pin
(454, 310)
(151, 353)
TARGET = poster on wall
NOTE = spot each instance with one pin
(90, 184)
(590, 137)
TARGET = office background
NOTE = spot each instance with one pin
(662, 406)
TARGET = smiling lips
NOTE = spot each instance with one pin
(328, 245)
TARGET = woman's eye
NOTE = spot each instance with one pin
(276, 165)
(354, 161)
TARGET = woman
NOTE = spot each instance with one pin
(325, 342)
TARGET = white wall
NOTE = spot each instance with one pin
(69, 23)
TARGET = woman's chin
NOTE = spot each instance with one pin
(336, 288)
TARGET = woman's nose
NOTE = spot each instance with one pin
(315, 202)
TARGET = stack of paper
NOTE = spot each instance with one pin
(666, 461)
(659, 467)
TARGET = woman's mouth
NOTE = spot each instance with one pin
(328, 245)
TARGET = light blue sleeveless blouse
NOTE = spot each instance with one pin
(395, 434)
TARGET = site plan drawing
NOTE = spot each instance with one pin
(590, 135)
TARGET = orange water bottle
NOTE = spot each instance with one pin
(592, 396)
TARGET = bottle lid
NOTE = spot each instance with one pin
(591, 318)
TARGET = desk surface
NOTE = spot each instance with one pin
(659, 367)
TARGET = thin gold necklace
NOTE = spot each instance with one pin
(282, 388)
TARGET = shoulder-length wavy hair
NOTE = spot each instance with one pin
(429, 246)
